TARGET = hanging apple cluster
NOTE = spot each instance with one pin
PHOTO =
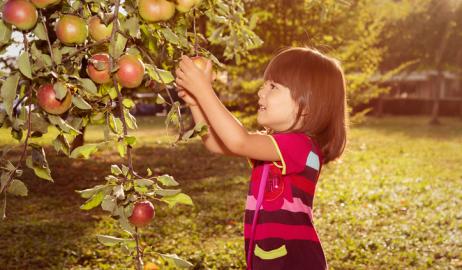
(81, 63)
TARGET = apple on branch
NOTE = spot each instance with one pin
(20, 13)
(46, 97)
(186, 5)
(143, 213)
(71, 30)
(44, 3)
(98, 68)
(156, 10)
(130, 71)
(98, 30)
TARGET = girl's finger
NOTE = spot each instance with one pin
(179, 72)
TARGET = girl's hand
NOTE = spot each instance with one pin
(193, 79)
(187, 97)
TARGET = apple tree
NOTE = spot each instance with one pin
(80, 63)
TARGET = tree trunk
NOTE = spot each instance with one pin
(437, 89)
(379, 107)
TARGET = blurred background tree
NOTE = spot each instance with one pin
(369, 37)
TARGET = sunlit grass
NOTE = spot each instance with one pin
(392, 202)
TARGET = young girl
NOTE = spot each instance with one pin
(302, 106)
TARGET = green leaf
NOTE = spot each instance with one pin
(89, 192)
(88, 85)
(109, 203)
(130, 140)
(120, 42)
(188, 134)
(63, 125)
(121, 148)
(38, 162)
(132, 25)
(5, 33)
(60, 143)
(38, 123)
(172, 116)
(178, 198)
(118, 192)
(115, 123)
(115, 170)
(111, 241)
(24, 64)
(144, 182)
(167, 180)
(170, 36)
(125, 170)
(94, 201)
(40, 31)
(43, 173)
(85, 151)
(160, 99)
(60, 90)
(18, 188)
(161, 76)
(58, 55)
(80, 103)
(130, 119)
(128, 103)
(167, 192)
(8, 92)
(177, 260)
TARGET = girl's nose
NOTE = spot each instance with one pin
(261, 91)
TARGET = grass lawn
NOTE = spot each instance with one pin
(392, 202)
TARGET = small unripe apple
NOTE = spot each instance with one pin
(46, 97)
(156, 10)
(143, 213)
(150, 266)
(44, 3)
(71, 30)
(186, 5)
(131, 71)
(20, 13)
(98, 30)
(98, 68)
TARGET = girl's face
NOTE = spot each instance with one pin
(277, 110)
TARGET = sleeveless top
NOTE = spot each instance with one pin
(285, 237)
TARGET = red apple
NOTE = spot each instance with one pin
(20, 13)
(71, 30)
(44, 3)
(46, 97)
(98, 68)
(143, 213)
(156, 10)
(98, 30)
(186, 5)
(131, 71)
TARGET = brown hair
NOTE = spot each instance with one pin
(317, 85)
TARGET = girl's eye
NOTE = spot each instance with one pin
(272, 86)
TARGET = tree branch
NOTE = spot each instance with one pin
(115, 30)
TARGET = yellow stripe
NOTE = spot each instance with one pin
(280, 156)
(272, 254)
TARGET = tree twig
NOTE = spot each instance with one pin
(53, 63)
(115, 30)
